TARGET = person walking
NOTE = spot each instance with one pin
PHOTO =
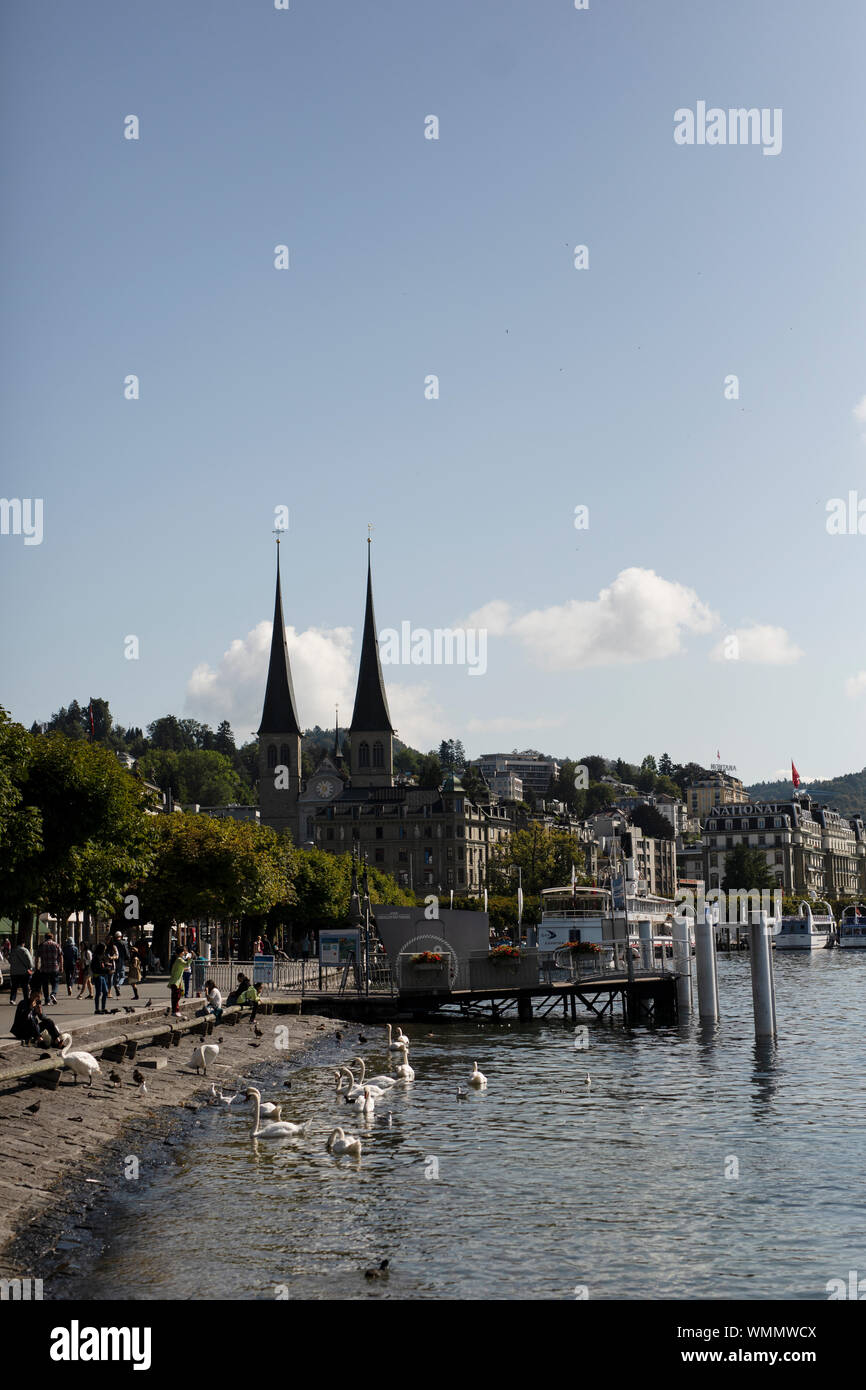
(70, 956)
(134, 971)
(85, 973)
(142, 949)
(21, 967)
(103, 970)
(50, 965)
(122, 950)
(175, 981)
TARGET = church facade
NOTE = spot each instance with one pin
(432, 840)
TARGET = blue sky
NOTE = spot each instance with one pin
(409, 257)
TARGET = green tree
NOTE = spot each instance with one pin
(545, 857)
(430, 772)
(20, 823)
(746, 869)
(652, 822)
(209, 867)
(95, 834)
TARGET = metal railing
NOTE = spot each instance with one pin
(293, 976)
(647, 958)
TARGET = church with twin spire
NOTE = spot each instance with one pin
(286, 802)
(428, 838)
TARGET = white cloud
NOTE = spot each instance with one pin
(323, 674)
(639, 617)
(855, 686)
(494, 616)
(761, 645)
(859, 413)
(419, 721)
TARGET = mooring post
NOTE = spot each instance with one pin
(524, 1008)
(763, 984)
(683, 965)
(705, 967)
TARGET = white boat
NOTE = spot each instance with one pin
(852, 928)
(589, 915)
(808, 931)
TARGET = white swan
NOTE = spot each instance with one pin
(404, 1071)
(365, 1080)
(341, 1143)
(587, 1080)
(394, 1045)
(356, 1088)
(283, 1129)
(79, 1063)
(477, 1079)
(266, 1107)
(365, 1102)
(204, 1053)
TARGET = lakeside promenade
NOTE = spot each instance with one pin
(53, 1140)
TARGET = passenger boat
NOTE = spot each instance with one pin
(852, 928)
(589, 915)
(808, 931)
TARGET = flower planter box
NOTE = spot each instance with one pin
(490, 972)
(428, 977)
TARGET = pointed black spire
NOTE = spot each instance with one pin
(337, 758)
(371, 706)
(279, 715)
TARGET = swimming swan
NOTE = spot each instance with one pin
(393, 1045)
(365, 1102)
(404, 1071)
(477, 1079)
(281, 1130)
(341, 1143)
(266, 1107)
(356, 1088)
(79, 1063)
(364, 1080)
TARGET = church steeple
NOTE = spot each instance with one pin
(372, 734)
(337, 758)
(371, 704)
(279, 715)
(279, 733)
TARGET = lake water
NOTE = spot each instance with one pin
(537, 1185)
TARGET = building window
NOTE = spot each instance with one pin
(285, 758)
(380, 856)
(380, 832)
(378, 754)
(364, 755)
(330, 835)
(428, 876)
(403, 880)
(402, 857)
(272, 755)
(428, 856)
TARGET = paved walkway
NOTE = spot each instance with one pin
(71, 1013)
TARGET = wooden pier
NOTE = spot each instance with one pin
(648, 998)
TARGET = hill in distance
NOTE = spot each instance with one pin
(847, 794)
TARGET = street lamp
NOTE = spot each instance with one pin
(519, 868)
